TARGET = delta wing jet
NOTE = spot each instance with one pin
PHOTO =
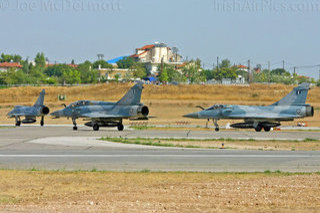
(30, 113)
(107, 114)
(291, 107)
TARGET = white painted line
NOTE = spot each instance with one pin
(157, 156)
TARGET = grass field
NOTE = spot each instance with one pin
(39, 191)
(167, 103)
(306, 145)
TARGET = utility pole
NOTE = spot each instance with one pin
(269, 66)
(249, 72)
(283, 64)
(294, 70)
(218, 63)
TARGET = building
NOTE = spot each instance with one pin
(112, 74)
(7, 65)
(155, 54)
(114, 61)
(242, 68)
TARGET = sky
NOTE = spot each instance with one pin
(259, 30)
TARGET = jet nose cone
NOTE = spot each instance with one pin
(56, 113)
(192, 115)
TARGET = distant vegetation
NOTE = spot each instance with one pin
(39, 72)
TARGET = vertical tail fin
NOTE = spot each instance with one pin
(40, 100)
(133, 97)
(296, 97)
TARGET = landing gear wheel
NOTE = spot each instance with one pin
(215, 121)
(120, 127)
(267, 129)
(258, 129)
(75, 128)
(96, 127)
(42, 121)
(18, 123)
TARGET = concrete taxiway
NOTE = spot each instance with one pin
(58, 147)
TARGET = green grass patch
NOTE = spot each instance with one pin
(146, 142)
(8, 200)
(311, 140)
(144, 127)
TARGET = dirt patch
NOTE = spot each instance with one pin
(160, 192)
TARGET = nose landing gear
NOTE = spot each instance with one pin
(215, 121)
(18, 121)
(42, 121)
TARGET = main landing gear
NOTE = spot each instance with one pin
(18, 121)
(259, 128)
(120, 127)
(217, 128)
(75, 128)
(96, 127)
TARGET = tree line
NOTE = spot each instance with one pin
(87, 72)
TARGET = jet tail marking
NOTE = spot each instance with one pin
(40, 100)
(297, 97)
(133, 97)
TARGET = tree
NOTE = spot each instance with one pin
(139, 70)
(13, 76)
(102, 64)
(126, 63)
(71, 77)
(280, 71)
(225, 63)
(10, 58)
(172, 73)
(57, 70)
(40, 60)
(164, 76)
(193, 71)
(87, 74)
(209, 74)
(36, 76)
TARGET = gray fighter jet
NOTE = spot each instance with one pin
(107, 114)
(30, 113)
(291, 107)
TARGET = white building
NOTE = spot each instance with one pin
(153, 55)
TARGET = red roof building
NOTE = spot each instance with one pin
(8, 65)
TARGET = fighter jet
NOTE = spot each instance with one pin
(291, 107)
(107, 114)
(30, 113)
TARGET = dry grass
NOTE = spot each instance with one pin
(167, 103)
(257, 93)
(160, 192)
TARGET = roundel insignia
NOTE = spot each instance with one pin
(298, 111)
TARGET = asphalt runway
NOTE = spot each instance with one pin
(58, 147)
